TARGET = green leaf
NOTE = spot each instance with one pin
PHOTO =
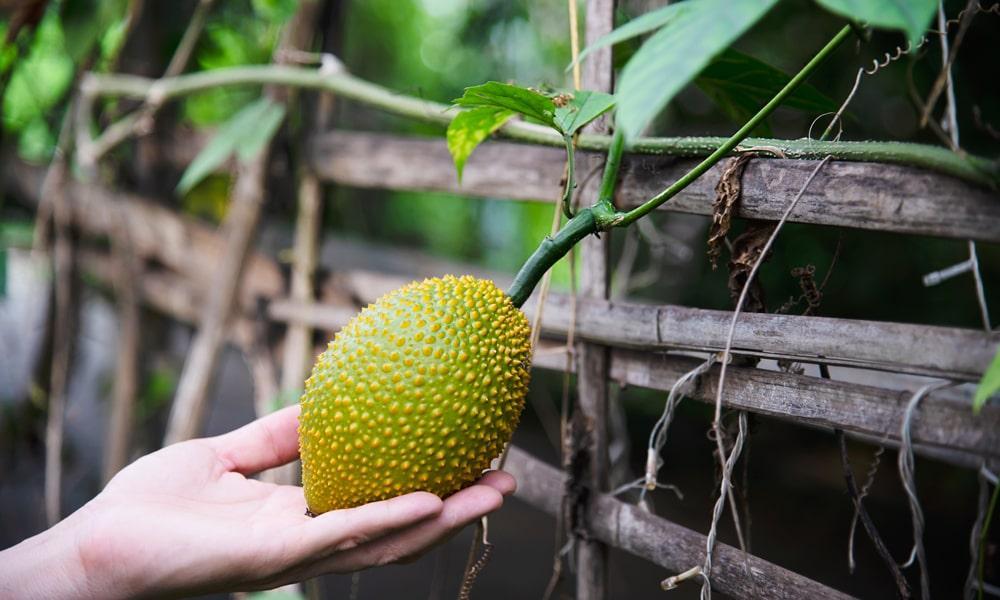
(260, 133)
(278, 11)
(911, 16)
(989, 385)
(740, 84)
(675, 54)
(654, 19)
(469, 128)
(244, 134)
(85, 21)
(510, 97)
(582, 108)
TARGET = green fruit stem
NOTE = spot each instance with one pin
(970, 168)
(603, 216)
(551, 250)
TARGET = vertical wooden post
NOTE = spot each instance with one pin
(187, 415)
(298, 350)
(592, 360)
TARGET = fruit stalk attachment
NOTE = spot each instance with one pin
(602, 216)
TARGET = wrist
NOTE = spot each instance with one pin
(47, 565)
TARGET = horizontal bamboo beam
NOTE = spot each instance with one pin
(942, 421)
(660, 541)
(192, 248)
(859, 195)
(158, 233)
(952, 353)
(346, 86)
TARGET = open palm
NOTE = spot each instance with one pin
(187, 519)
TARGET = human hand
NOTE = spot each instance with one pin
(186, 520)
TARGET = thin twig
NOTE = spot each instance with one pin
(902, 587)
(861, 495)
(62, 336)
(972, 581)
(943, 81)
(141, 120)
(951, 118)
(982, 537)
(188, 411)
(477, 559)
(53, 196)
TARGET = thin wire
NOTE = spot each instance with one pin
(951, 116)
(906, 474)
(706, 589)
(865, 488)
(658, 435)
(971, 579)
(706, 583)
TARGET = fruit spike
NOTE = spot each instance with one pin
(420, 391)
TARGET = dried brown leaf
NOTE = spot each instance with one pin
(727, 196)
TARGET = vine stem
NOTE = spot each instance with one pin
(971, 168)
(603, 216)
(731, 143)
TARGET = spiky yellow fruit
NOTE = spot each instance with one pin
(420, 391)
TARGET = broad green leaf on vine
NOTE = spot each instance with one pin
(650, 21)
(252, 140)
(243, 135)
(988, 385)
(581, 108)
(510, 97)
(741, 84)
(675, 54)
(913, 17)
(469, 128)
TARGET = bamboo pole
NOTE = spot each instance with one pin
(592, 360)
(188, 411)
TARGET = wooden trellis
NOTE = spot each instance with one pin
(621, 341)
(639, 343)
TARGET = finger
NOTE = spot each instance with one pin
(460, 509)
(268, 442)
(501, 481)
(352, 527)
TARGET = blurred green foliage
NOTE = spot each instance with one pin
(435, 48)
(232, 38)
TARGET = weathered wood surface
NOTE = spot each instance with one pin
(943, 428)
(179, 243)
(191, 248)
(944, 420)
(849, 194)
(954, 353)
(189, 408)
(165, 238)
(592, 359)
(662, 542)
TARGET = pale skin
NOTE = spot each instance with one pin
(188, 520)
